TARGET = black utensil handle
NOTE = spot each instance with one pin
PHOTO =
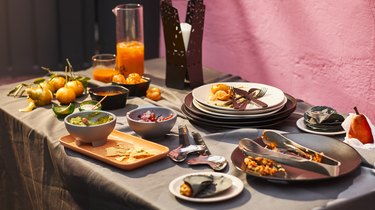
(183, 135)
(199, 140)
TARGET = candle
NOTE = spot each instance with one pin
(185, 29)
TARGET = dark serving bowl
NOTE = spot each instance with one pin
(136, 89)
(116, 96)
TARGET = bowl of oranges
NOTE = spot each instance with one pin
(135, 83)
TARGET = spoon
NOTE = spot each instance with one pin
(216, 162)
(180, 153)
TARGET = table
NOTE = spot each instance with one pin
(37, 172)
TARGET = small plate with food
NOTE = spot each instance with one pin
(337, 150)
(206, 187)
(301, 125)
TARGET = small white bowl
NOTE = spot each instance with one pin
(151, 130)
(96, 135)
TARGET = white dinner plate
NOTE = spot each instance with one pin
(235, 112)
(234, 190)
(301, 125)
(273, 97)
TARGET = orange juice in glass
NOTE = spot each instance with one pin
(130, 57)
(104, 67)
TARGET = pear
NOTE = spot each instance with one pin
(360, 129)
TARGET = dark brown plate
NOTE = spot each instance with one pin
(336, 149)
(201, 118)
(230, 124)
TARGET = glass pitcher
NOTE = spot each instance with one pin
(129, 39)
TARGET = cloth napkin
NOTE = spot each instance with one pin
(353, 141)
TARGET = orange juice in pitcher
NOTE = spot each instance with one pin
(130, 57)
(129, 39)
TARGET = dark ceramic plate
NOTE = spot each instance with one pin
(349, 158)
(201, 118)
(288, 108)
(231, 125)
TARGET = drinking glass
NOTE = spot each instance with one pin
(104, 67)
(129, 39)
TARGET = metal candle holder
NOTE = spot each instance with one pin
(184, 66)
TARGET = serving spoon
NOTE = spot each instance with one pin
(216, 162)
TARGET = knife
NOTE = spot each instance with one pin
(183, 135)
(199, 141)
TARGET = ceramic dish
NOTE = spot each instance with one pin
(138, 89)
(91, 126)
(288, 108)
(116, 96)
(301, 125)
(272, 98)
(245, 122)
(220, 125)
(235, 112)
(236, 189)
(151, 129)
(117, 137)
(349, 158)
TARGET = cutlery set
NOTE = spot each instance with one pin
(181, 153)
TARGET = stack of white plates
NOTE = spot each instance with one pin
(200, 109)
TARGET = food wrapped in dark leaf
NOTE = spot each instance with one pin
(201, 185)
(323, 118)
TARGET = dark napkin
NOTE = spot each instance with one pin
(323, 118)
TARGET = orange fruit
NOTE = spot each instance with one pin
(57, 83)
(153, 94)
(77, 86)
(65, 95)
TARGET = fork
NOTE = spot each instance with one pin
(250, 97)
(258, 93)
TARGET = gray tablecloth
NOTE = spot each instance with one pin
(37, 172)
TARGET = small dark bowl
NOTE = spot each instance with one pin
(113, 101)
(136, 89)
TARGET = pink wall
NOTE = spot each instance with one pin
(319, 51)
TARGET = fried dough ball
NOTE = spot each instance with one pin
(218, 87)
(153, 93)
(119, 78)
(222, 95)
(186, 190)
(221, 92)
(131, 79)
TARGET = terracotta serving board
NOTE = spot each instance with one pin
(117, 137)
